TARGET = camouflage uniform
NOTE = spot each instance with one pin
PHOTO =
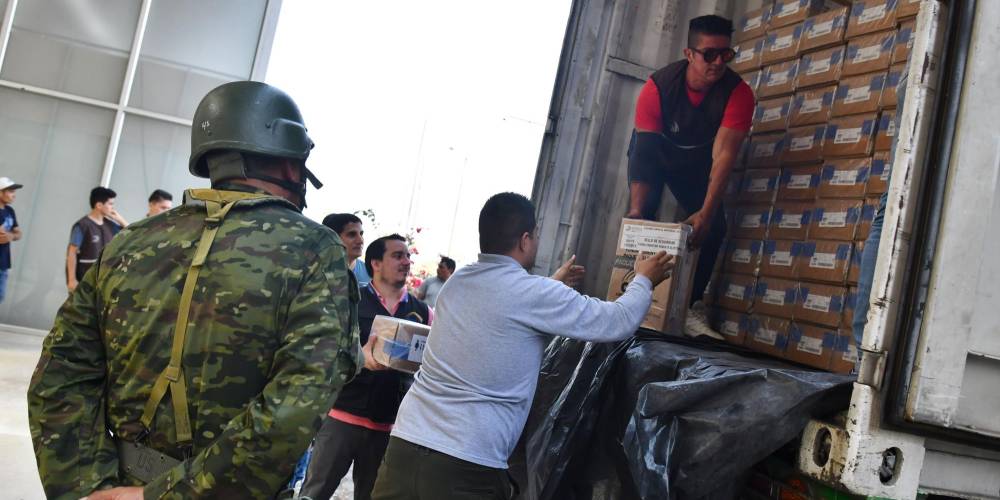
(272, 337)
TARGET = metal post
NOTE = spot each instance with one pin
(6, 25)
(268, 27)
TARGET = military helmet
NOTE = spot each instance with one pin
(251, 117)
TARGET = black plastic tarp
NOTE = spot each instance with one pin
(664, 418)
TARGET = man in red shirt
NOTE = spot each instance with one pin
(690, 121)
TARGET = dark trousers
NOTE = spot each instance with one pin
(414, 472)
(336, 446)
(687, 178)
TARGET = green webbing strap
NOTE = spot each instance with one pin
(218, 204)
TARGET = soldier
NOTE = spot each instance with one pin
(235, 304)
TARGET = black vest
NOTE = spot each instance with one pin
(685, 125)
(95, 237)
(377, 395)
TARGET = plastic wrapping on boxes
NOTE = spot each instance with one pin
(766, 149)
(904, 42)
(742, 256)
(845, 353)
(812, 107)
(787, 12)
(878, 181)
(759, 185)
(824, 261)
(781, 44)
(821, 67)
(747, 55)
(849, 136)
(820, 304)
(798, 183)
(869, 53)
(775, 297)
(399, 344)
(779, 258)
(885, 131)
(735, 292)
(859, 94)
(731, 324)
(811, 345)
(752, 24)
(772, 114)
(823, 29)
(889, 99)
(778, 79)
(835, 219)
(768, 335)
(869, 16)
(844, 178)
(804, 145)
(790, 220)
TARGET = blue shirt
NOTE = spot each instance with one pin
(361, 273)
(8, 220)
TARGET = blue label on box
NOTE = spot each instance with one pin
(877, 82)
(755, 247)
(842, 251)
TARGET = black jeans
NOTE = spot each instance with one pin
(414, 472)
(337, 445)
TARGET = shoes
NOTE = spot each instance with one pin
(697, 325)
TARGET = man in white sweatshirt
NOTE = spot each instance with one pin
(463, 415)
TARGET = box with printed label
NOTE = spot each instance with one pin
(399, 343)
(849, 304)
(825, 261)
(753, 79)
(747, 55)
(778, 259)
(890, 93)
(772, 114)
(778, 79)
(878, 181)
(759, 186)
(812, 107)
(804, 145)
(735, 292)
(811, 345)
(731, 324)
(786, 12)
(790, 220)
(781, 44)
(869, 53)
(775, 296)
(823, 29)
(767, 335)
(849, 136)
(869, 16)
(858, 94)
(855, 270)
(821, 304)
(751, 222)
(742, 256)
(907, 8)
(835, 219)
(821, 67)
(733, 185)
(885, 131)
(844, 178)
(904, 42)
(867, 216)
(765, 150)
(752, 24)
(798, 183)
(845, 353)
(640, 238)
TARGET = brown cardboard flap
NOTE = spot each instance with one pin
(824, 29)
(812, 107)
(859, 94)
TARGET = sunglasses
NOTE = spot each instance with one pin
(710, 55)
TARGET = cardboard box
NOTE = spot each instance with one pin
(812, 107)
(778, 259)
(742, 256)
(748, 54)
(765, 150)
(850, 303)
(733, 185)
(890, 93)
(767, 335)
(751, 222)
(849, 136)
(399, 343)
(736, 292)
(804, 145)
(759, 186)
(845, 353)
(775, 296)
(753, 24)
(855, 270)
(778, 79)
(907, 8)
(824, 29)
(865, 221)
(904, 42)
(799, 183)
(844, 178)
(772, 114)
(824, 261)
(885, 131)
(869, 53)
(820, 304)
(787, 12)
(781, 44)
(878, 180)
(859, 94)
(671, 297)
(731, 324)
(790, 221)
(835, 219)
(869, 16)
(821, 67)
(811, 345)
(743, 155)
(753, 80)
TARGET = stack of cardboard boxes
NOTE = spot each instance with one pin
(801, 202)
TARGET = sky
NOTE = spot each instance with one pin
(420, 110)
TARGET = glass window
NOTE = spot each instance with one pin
(184, 55)
(75, 46)
(56, 149)
(152, 155)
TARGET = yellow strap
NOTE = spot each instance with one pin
(218, 204)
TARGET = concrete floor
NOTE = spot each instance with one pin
(18, 473)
